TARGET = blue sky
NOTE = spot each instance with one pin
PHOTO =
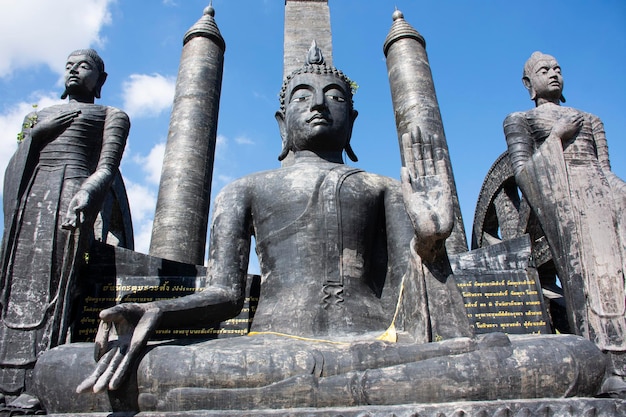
(476, 49)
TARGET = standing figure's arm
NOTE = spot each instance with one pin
(602, 148)
(519, 141)
(88, 199)
(223, 298)
(20, 167)
(46, 129)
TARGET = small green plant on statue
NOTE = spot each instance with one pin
(29, 123)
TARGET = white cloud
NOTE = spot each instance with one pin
(225, 179)
(152, 163)
(142, 201)
(221, 146)
(142, 196)
(11, 124)
(43, 32)
(143, 234)
(148, 95)
(244, 140)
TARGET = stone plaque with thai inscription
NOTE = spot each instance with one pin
(141, 278)
(500, 290)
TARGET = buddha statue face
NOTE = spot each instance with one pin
(542, 77)
(83, 76)
(318, 113)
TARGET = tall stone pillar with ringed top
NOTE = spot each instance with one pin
(182, 213)
(415, 103)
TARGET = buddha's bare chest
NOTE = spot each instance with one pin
(313, 200)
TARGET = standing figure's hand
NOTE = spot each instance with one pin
(426, 192)
(54, 124)
(75, 215)
(133, 324)
(568, 126)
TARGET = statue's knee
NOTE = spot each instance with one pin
(57, 374)
(164, 365)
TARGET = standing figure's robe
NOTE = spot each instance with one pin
(580, 205)
(38, 257)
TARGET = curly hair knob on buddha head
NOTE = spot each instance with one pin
(315, 64)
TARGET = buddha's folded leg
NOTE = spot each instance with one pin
(528, 367)
(531, 367)
(262, 360)
(275, 372)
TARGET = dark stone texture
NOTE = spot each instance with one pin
(492, 367)
(181, 218)
(503, 214)
(563, 407)
(572, 205)
(501, 290)
(62, 191)
(415, 104)
(115, 275)
(358, 305)
(560, 160)
(298, 36)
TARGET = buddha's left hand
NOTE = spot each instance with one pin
(426, 192)
(133, 323)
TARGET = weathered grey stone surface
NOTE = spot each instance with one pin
(298, 35)
(415, 104)
(345, 256)
(502, 215)
(62, 190)
(565, 407)
(358, 312)
(559, 156)
(182, 212)
(490, 368)
(115, 275)
(501, 289)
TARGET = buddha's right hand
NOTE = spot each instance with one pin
(426, 192)
(133, 324)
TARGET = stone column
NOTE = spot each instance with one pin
(415, 102)
(305, 21)
(181, 218)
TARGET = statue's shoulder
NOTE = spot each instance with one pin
(55, 108)
(113, 110)
(251, 182)
(518, 121)
(518, 116)
(116, 112)
(384, 180)
(261, 177)
(381, 182)
(586, 115)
